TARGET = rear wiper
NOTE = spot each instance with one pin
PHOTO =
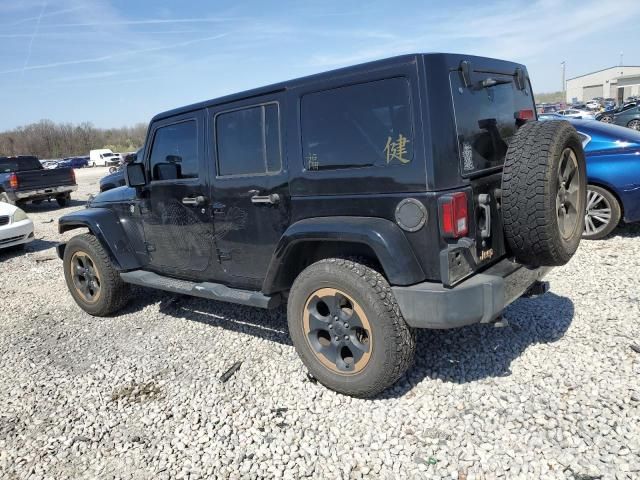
(490, 82)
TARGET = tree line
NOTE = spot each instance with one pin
(48, 139)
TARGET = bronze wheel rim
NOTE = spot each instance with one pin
(338, 331)
(85, 276)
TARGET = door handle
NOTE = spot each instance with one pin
(271, 199)
(194, 201)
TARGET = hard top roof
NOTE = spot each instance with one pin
(450, 59)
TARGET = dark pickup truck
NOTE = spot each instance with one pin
(23, 179)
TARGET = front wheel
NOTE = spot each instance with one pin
(347, 328)
(606, 119)
(92, 280)
(602, 215)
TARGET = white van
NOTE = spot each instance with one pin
(103, 157)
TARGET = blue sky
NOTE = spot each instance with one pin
(119, 62)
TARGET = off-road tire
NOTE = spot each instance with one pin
(63, 200)
(530, 189)
(392, 340)
(114, 292)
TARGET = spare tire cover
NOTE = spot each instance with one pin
(544, 193)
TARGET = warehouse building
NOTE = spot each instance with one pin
(615, 82)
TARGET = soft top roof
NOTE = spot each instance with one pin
(449, 60)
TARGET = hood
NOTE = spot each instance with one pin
(115, 195)
(7, 209)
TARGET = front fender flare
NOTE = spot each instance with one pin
(384, 237)
(105, 225)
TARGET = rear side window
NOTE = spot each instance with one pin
(174, 153)
(361, 125)
(486, 116)
(248, 141)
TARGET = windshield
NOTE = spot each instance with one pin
(108, 155)
(19, 164)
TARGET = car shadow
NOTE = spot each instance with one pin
(267, 324)
(461, 355)
(485, 351)
(46, 205)
(629, 230)
(36, 245)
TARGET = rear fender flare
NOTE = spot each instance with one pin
(388, 242)
(105, 225)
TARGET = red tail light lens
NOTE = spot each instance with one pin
(525, 115)
(73, 175)
(13, 181)
(454, 221)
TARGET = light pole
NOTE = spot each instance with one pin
(564, 93)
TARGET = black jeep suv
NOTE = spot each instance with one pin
(413, 192)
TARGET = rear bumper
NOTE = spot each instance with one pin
(479, 299)
(44, 192)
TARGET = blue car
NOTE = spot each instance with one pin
(613, 176)
(74, 162)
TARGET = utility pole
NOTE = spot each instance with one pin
(621, 56)
(564, 93)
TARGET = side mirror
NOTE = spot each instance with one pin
(134, 175)
(130, 158)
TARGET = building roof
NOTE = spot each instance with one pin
(603, 70)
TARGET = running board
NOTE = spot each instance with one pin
(212, 291)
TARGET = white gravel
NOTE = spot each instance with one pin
(555, 394)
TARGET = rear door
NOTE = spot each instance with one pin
(250, 192)
(489, 108)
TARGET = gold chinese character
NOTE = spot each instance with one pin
(312, 161)
(397, 149)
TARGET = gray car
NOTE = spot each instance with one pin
(628, 118)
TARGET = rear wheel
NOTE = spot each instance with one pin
(63, 200)
(602, 215)
(347, 327)
(634, 124)
(92, 280)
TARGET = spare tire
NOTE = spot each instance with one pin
(544, 193)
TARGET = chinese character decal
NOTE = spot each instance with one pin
(397, 149)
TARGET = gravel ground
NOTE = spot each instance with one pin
(554, 394)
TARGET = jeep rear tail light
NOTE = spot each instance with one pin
(454, 222)
(13, 181)
(525, 115)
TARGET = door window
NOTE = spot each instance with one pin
(174, 153)
(361, 125)
(248, 141)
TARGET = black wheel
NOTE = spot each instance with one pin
(92, 281)
(5, 198)
(63, 200)
(347, 328)
(602, 215)
(544, 193)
